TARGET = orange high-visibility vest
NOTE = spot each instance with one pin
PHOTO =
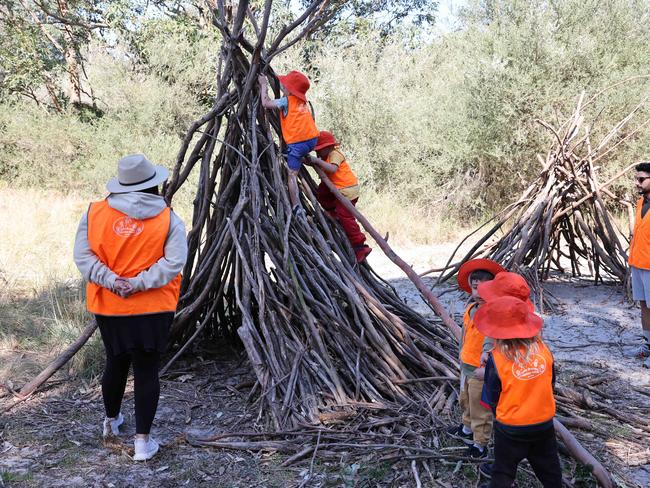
(470, 352)
(640, 245)
(128, 246)
(298, 125)
(526, 389)
(343, 177)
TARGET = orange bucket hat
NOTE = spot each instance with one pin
(469, 267)
(506, 284)
(325, 139)
(507, 318)
(296, 83)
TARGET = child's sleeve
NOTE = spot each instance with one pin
(488, 344)
(336, 158)
(491, 386)
(282, 104)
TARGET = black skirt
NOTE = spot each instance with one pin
(135, 332)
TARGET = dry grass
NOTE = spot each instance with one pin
(410, 225)
(41, 298)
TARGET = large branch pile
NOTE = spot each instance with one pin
(561, 221)
(324, 335)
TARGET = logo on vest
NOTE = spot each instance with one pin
(127, 227)
(534, 367)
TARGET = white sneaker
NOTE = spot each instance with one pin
(112, 426)
(145, 449)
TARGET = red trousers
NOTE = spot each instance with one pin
(336, 209)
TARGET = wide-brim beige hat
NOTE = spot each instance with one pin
(135, 172)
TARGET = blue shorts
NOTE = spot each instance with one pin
(640, 284)
(297, 151)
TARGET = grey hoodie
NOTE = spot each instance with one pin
(136, 205)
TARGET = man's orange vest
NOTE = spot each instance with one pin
(470, 353)
(526, 389)
(128, 246)
(299, 124)
(640, 245)
(343, 177)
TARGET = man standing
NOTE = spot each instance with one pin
(640, 257)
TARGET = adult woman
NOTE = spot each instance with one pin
(130, 249)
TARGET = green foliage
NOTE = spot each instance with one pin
(443, 122)
(454, 120)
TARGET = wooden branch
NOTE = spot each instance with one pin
(581, 454)
(55, 365)
(408, 270)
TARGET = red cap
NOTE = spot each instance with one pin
(506, 284)
(325, 139)
(507, 318)
(296, 83)
(474, 265)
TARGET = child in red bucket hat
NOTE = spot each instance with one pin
(476, 428)
(518, 388)
(296, 121)
(331, 160)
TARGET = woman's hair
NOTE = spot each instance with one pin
(153, 190)
(518, 350)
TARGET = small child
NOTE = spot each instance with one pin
(297, 123)
(518, 388)
(476, 428)
(331, 160)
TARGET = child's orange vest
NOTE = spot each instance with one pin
(128, 246)
(298, 125)
(640, 245)
(343, 177)
(472, 344)
(526, 389)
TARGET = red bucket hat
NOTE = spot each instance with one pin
(474, 265)
(296, 83)
(506, 284)
(325, 139)
(507, 318)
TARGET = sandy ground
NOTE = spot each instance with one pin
(53, 439)
(593, 331)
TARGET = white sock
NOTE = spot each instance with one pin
(466, 430)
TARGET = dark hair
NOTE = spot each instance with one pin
(153, 190)
(643, 166)
(480, 275)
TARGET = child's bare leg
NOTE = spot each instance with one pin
(292, 183)
(645, 316)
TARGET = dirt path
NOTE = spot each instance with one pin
(54, 439)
